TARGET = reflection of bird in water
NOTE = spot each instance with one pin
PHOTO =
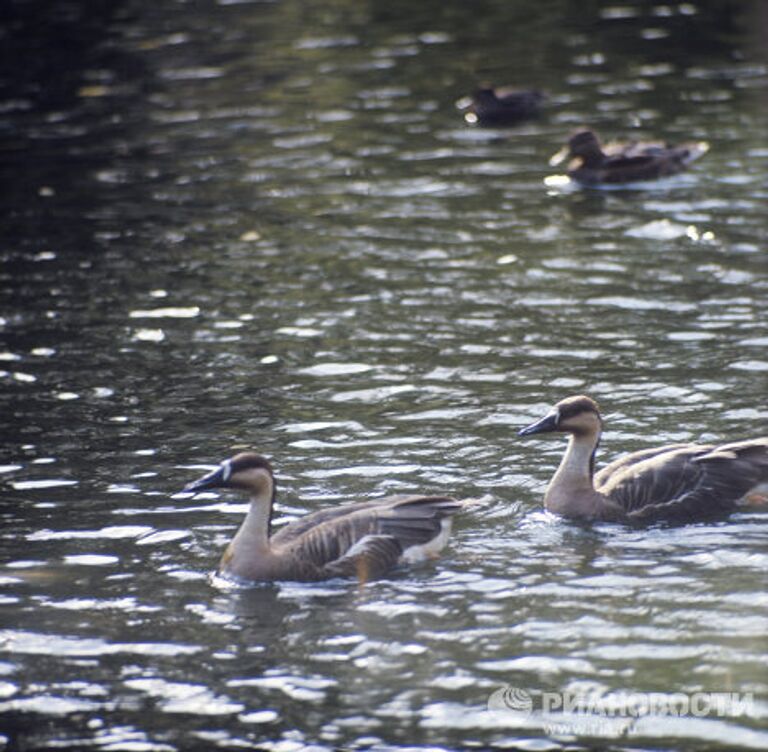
(364, 540)
(623, 163)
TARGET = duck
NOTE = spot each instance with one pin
(675, 482)
(364, 540)
(592, 164)
(501, 106)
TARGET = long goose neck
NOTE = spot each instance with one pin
(571, 489)
(256, 529)
(271, 511)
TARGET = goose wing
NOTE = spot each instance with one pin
(371, 557)
(741, 466)
(416, 520)
(296, 528)
(365, 539)
(684, 481)
(615, 470)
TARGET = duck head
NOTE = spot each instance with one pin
(583, 145)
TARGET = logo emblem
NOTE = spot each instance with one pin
(511, 698)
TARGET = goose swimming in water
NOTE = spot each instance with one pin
(364, 540)
(593, 164)
(672, 482)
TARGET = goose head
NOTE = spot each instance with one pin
(578, 416)
(246, 471)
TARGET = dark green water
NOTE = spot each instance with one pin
(265, 224)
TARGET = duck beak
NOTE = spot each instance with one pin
(546, 425)
(215, 479)
(560, 157)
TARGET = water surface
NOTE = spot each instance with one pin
(266, 225)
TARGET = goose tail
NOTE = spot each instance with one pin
(749, 461)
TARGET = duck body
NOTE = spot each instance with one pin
(502, 106)
(676, 482)
(363, 540)
(592, 164)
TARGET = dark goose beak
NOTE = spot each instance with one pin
(215, 479)
(546, 425)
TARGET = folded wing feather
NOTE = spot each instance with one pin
(368, 537)
(685, 481)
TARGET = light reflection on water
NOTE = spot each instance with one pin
(260, 231)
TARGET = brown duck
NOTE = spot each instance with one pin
(682, 482)
(364, 540)
(502, 106)
(593, 164)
